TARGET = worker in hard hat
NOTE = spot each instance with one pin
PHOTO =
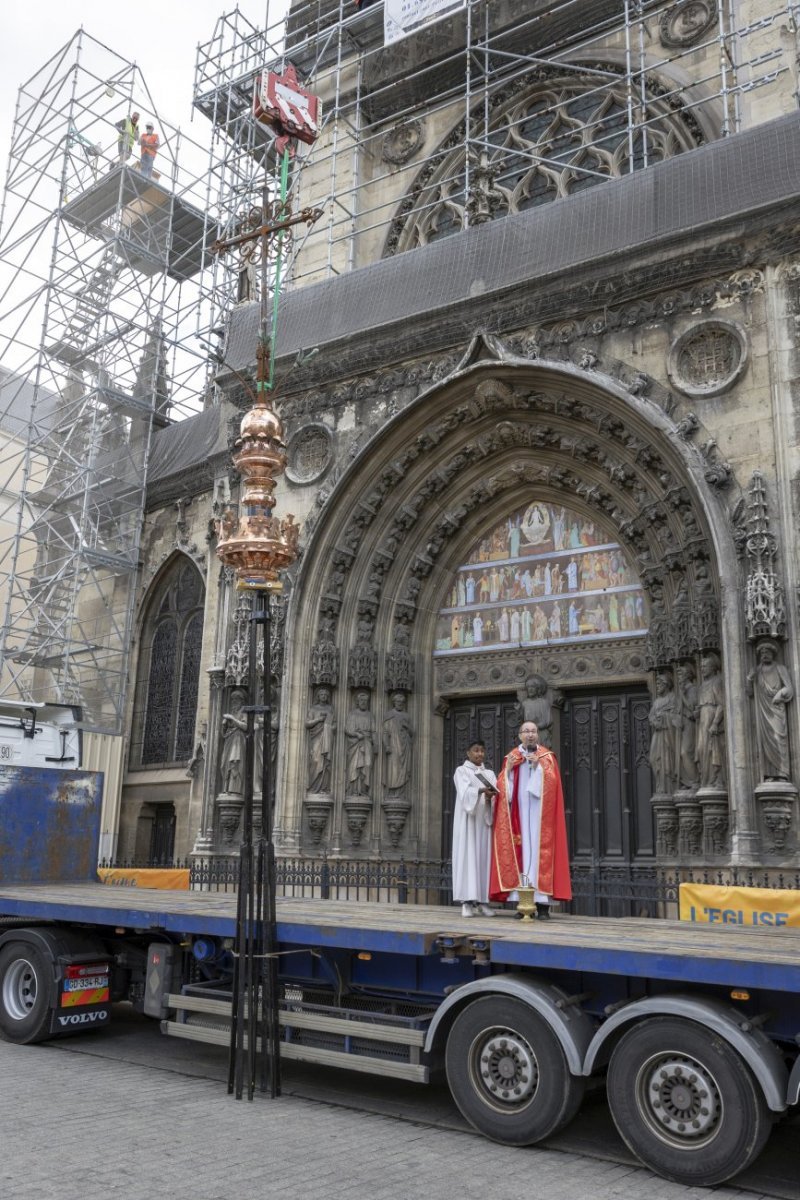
(148, 146)
(128, 135)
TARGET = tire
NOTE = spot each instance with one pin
(508, 1074)
(710, 1123)
(25, 993)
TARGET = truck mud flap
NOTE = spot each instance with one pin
(78, 1022)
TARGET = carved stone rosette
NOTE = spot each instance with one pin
(318, 811)
(396, 810)
(357, 811)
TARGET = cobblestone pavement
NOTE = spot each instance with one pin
(79, 1127)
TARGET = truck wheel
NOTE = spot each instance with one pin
(685, 1103)
(25, 987)
(508, 1074)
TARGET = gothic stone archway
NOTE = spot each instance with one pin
(392, 533)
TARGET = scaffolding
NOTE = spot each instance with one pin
(98, 310)
(498, 108)
(111, 289)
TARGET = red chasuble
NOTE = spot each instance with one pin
(506, 866)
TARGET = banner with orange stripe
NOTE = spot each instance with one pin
(174, 880)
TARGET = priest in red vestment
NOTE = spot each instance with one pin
(529, 832)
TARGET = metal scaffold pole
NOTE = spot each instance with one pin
(99, 259)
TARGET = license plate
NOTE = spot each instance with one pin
(85, 984)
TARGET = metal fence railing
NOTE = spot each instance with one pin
(598, 889)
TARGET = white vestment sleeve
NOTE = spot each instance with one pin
(467, 788)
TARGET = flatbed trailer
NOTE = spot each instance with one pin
(693, 1028)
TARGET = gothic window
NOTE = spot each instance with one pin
(544, 575)
(547, 139)
(169, 668)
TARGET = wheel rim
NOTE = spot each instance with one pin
(680, 1099)
(503, 1069)
(19, 989)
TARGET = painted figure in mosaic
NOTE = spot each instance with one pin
(397, 735)
(662, 735)
(710, 723)
(359, 731)
(771, 688)
(320, 726)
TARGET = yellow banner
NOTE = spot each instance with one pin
(146, 877)
(747, 906)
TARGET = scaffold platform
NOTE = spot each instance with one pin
(156, 224)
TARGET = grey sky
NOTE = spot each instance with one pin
(161, 36)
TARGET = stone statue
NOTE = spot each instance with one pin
(320, 726)
(233, 747)
(710, 723)
(686, 726)
(662, 735)
(397, 735)
(360, 734)
(233, 758)
(771, 688)
(535, 706)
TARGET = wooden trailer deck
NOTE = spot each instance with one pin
(733, 956)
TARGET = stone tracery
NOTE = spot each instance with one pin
(552, 133)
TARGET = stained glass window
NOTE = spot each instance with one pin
(169, 668)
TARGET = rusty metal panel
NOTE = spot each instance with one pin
(49, 824)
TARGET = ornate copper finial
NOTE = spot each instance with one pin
(257, 545)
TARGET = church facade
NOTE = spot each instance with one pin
(545, 462)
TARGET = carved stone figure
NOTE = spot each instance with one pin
(360, 733)
(690, 830)
(320, 726)
(710, 723)
(771, 688)
(686, 726)
(778, 824)
(397, 735)
(662, 735)
(535, 706)
(233, 747)
(666, 831)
